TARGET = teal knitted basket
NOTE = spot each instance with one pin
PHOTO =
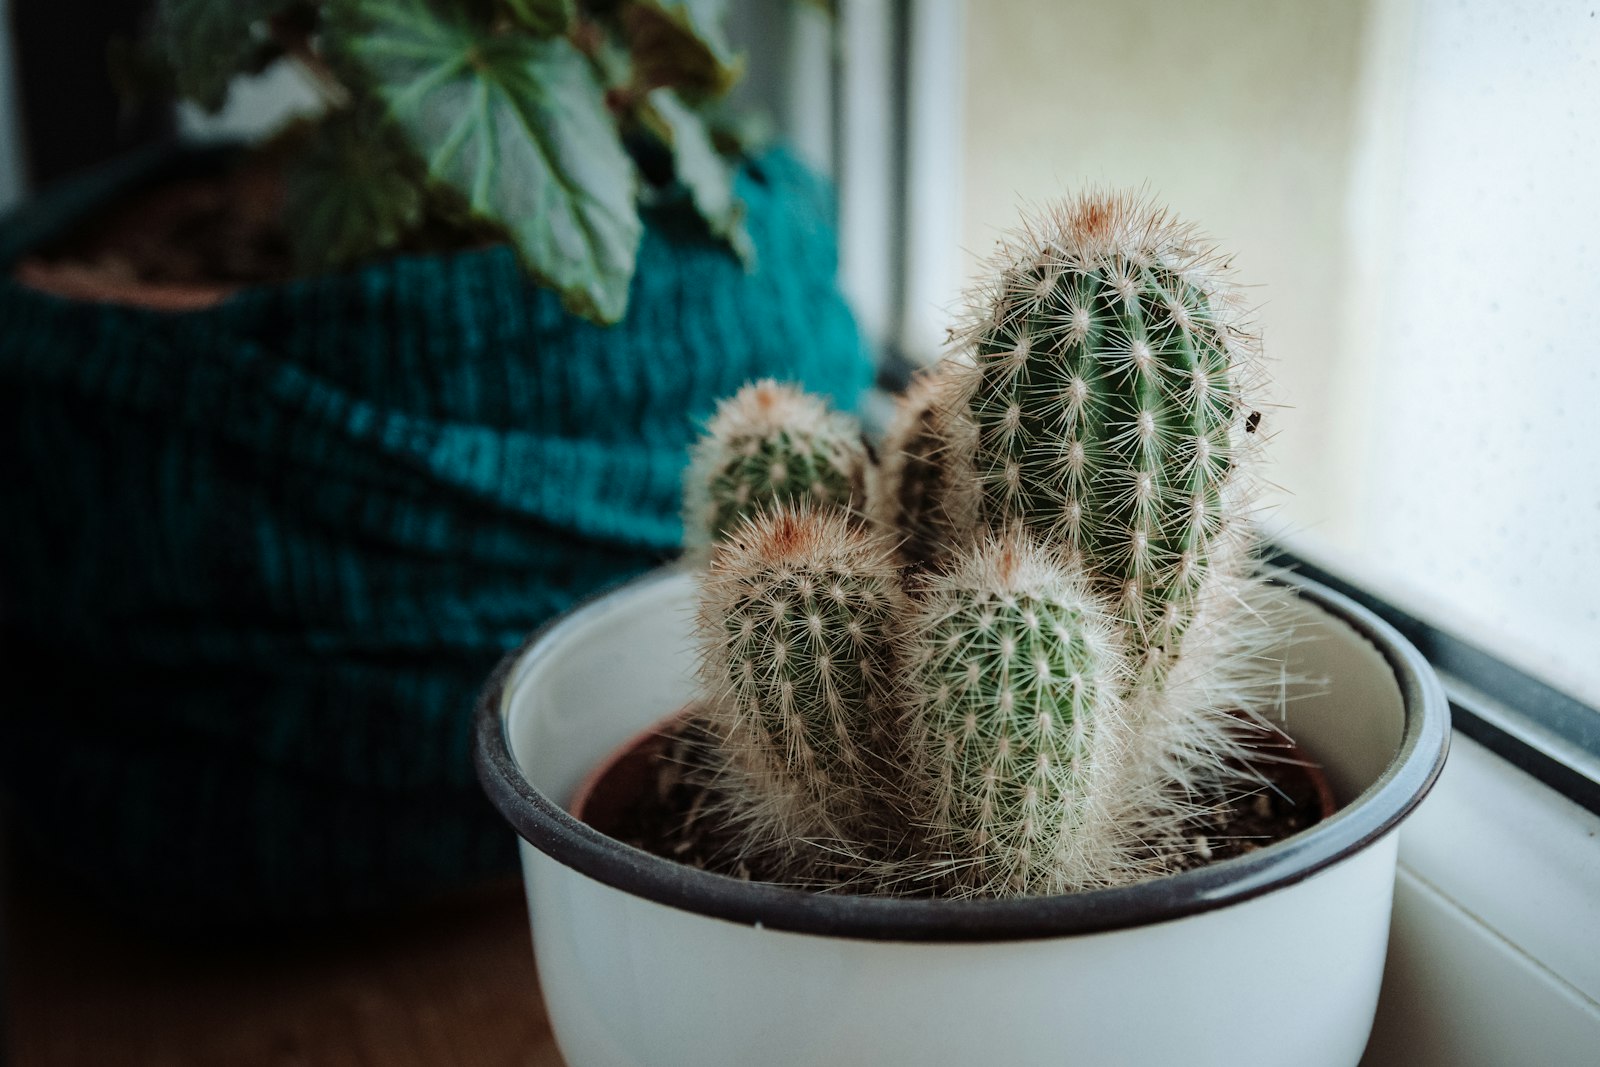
(256, 559)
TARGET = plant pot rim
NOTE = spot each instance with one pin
(546, 825)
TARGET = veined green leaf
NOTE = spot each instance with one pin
(351, 192)
(207, 42)
(706, 173)
(544, 17)
(681, 44)
(519, 127)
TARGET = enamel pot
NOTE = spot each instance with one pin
(1269, 958)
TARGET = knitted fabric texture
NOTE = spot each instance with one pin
(256, 560)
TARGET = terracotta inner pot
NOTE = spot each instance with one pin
(76, 281)
(181, 244)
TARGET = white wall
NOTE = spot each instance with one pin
(1238, 114)
(1410, 182)
(1467, 422)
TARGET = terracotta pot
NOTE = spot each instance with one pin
(76, 282)
(616, 783)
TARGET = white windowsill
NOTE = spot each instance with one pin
(1495, 949)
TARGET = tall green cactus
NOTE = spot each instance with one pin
(771, 444)
(1108, 396)
(802, 628)
(1021, 738)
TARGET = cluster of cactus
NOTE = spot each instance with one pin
(1012, 656)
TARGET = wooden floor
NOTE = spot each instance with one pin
(454, 987)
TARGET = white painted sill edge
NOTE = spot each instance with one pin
(1495, 948)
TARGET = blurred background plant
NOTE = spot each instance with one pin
(517, 115)
(452, 295)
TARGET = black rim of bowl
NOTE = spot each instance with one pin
(544, 824)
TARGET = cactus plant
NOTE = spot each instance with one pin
(802, 624)
(925, 497)
(1070, 657)
(1108, 396)
(1021, 740)
(771, 444)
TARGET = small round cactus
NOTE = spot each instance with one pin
(1020, 735)
(1108, 394)
(771, 444)
(801, 622)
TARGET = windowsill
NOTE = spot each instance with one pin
(1494, 951)
(1494, 955)
(452, 985)
(1494, 959)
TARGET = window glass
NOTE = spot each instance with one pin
(1412, 187)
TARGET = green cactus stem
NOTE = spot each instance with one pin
(925, 496)
(801, 621)
(1021, 739)
(1109, 400)
(771, 444)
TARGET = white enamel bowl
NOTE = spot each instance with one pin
(1273, 958)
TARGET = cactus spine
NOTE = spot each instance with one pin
(1018, 727)
(801, 622)
(1108, 401)
(771, 444)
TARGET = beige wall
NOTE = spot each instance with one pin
(1239, 114)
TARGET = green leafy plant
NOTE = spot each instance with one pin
(1050, 646)
(544, 121)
